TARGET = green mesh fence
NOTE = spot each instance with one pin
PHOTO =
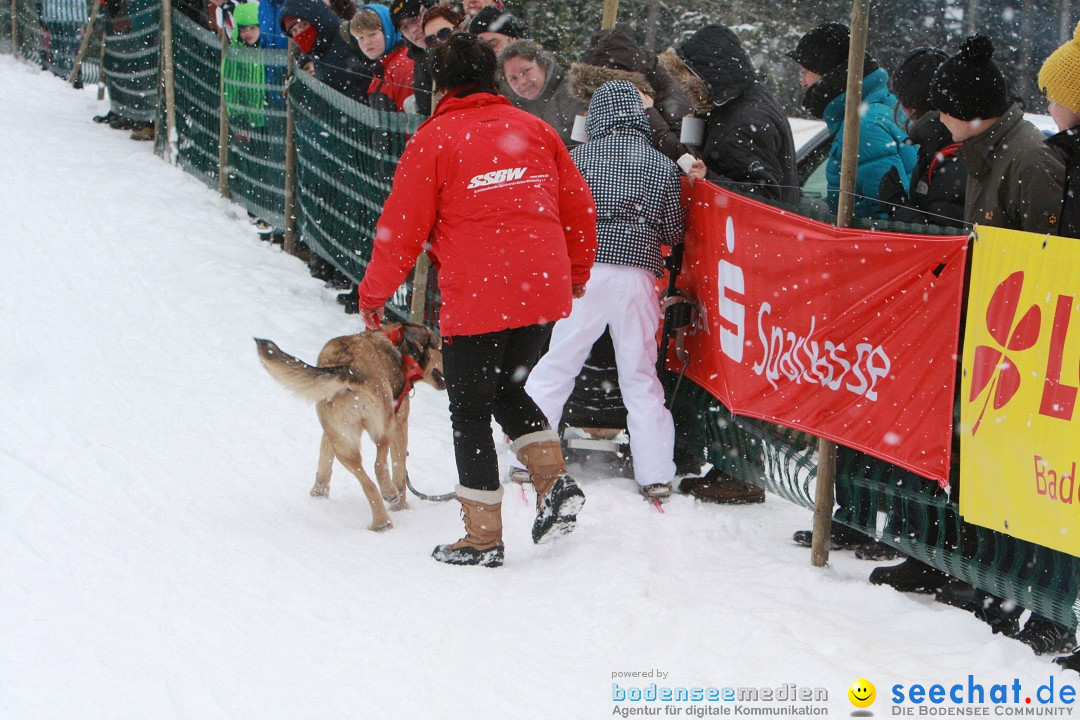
(347, 153)
(132, 40)
(253, 84)
(894, 505)
(5, 27)
(63, 22)
(197, 73)
(31, 39)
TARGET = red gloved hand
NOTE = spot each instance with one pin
(372, 319)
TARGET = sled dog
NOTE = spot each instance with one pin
(362, 383)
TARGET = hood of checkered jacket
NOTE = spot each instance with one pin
(616, 105)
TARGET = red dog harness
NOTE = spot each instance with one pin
(409, 366)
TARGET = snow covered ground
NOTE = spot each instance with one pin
(160, 556)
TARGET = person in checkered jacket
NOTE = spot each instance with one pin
(637, 192)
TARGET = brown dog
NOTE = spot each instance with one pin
(362, 383)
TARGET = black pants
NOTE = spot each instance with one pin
(485, 378)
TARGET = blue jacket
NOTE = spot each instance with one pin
(881, 145)
(270, 33)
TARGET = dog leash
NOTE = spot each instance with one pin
(409, 366)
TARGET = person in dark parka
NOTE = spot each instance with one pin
(748, 144)
(338, 60)
(938, 182)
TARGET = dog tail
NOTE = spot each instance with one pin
(312, 383)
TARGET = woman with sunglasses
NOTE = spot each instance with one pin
(440, 22)
(492, 195)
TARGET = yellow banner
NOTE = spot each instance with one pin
(1020, 411)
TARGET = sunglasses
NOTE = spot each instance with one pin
(439, 37)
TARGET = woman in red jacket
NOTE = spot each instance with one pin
(491, 194)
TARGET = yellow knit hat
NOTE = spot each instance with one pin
(1060, 74)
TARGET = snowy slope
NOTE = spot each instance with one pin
(160, 556)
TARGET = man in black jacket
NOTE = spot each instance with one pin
(748, 145)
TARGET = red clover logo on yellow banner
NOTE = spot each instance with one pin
(1020, 425)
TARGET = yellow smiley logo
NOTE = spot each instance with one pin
(862, 693)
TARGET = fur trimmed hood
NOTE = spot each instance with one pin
(690, 83)
(714, 57)
(583, 79)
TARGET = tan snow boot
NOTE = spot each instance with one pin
(558, 498)
(482, 544)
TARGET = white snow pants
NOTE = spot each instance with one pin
(623, 298)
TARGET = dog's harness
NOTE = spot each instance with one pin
(409, 365)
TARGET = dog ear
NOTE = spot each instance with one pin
(420, 336)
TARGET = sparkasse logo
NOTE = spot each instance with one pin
(495, 177)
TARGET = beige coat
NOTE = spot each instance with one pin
(1014, 179)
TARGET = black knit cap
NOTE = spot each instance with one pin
(911, 79)
(405, 9)
(969, 85)
(823, 49)
(497, 20)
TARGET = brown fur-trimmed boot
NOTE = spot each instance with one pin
(482, 544)
(558, 498)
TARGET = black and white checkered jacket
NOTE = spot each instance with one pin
(636, 188)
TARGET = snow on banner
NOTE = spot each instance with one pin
(850, 335)
(1020, 415)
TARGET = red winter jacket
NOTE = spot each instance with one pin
(492, 194)
(397, 80)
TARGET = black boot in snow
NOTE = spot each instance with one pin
(1046, 637)
(556, 514)
(910, 576)
(841, 537)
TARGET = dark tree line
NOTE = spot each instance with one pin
(1024, 31)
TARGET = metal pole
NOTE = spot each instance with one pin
(223, 121)
(289, 244)
(84, 44)
(845, 216)
(170, 80)
(611, 12)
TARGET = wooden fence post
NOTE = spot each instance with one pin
(169, 77)
(845, 215)
(289, 244)
(223, 121)
(418, 306)
(15, 28)
(611, 12)
(84, 44)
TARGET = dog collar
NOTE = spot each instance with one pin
(409, 366)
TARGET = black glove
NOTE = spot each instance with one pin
(891, 191)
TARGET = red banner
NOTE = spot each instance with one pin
(850, 335)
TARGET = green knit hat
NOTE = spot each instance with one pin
(244, 14)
